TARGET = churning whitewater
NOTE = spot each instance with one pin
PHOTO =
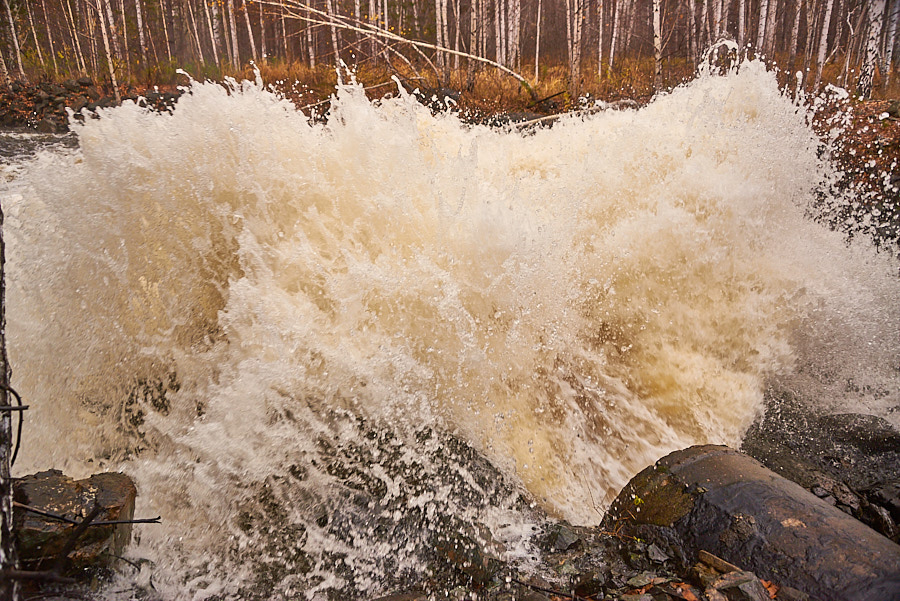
(322, 349)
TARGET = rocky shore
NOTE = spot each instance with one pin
(45, 107)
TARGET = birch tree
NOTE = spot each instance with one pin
(823, 42)
(15, 40)
(867, 73)
(657, 48)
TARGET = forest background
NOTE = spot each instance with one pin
(502, 52)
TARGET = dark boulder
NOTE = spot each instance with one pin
(725, 502)
(42, 539)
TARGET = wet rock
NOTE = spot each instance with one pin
(563, 538)
(46, 126)
(85, 81)
(42, 539)
(848, 460)
(867, 432)
(724, 501)
(740, 586)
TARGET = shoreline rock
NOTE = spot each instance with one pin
(43, 539)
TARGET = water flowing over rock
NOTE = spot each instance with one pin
(723, 501)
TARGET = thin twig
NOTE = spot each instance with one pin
(541, 589)
(73, 539)
(62, 518)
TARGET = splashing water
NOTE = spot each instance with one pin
(321, 349)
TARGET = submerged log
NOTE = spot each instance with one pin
(43, 539)
(725, 502)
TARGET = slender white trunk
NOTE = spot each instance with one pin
(761, 30)
(111, 32)
(717, 18)
(196, 34)
(704, 23)
(162, 17)
(15, 40)
(213, 40)
(4, 73)
(614, 39)
(439, 32)
(262, 36)
(74, 32)
(600, 39)
(657, 48)
(284, 36)
(456, 34)
(741, 23)
(235, 53)
(246, 11)
(37, 44)
(823, 42)
(335, 45)
(795, 34)
(692, 21)
(126, 54)
(771, 26)
(142, 38)
(49, 36)
(537, 44)
(726, 16)
(109, 58)
(311, 47)
(890, 42)
(867, 73)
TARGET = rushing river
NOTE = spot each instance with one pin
(320, 350)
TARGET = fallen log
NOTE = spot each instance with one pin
(725, 502)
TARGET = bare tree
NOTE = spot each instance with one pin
(867, 73)
(15, 40)
(657, 48)
(823, 43)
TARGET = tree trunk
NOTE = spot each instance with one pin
(213, 39)
(263, 51)
(614, 36)
(37, 44)
(867, 73)
(162, 17)
(761, 30)
(771, 27)
(741, 23)
(195, 32)
(50, 37)
(890, 42)
(823, 42)
(600, 39)
(657, 48)
(235, 53)
(142, 39)
(795, 34)
(692, 23)
(537, 43)
(109, 57)
(310, 47)
(69, 18)
(15, 40)
(9, 588)
(126, 58)
(246, 11)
